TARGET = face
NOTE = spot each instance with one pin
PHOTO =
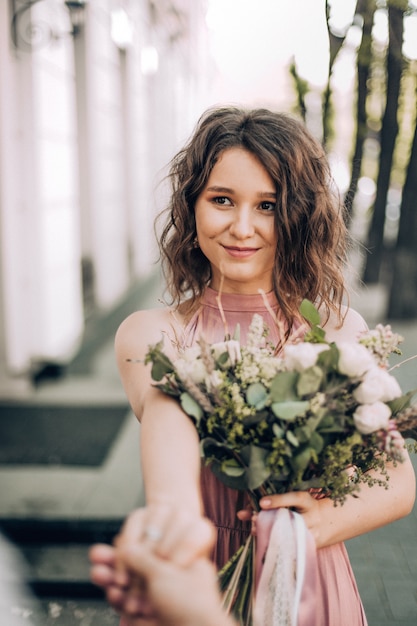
(235, 223)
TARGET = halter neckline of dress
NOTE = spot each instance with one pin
(240, 302)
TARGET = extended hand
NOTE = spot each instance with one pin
(171, 534)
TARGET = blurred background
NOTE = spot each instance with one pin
(96, 96)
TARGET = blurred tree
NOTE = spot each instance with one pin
(301, 90)
(366, 10)
(336, 42)
(388, 136)
(403, 292)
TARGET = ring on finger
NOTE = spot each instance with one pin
(152, 533)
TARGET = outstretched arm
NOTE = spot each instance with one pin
(170, 454)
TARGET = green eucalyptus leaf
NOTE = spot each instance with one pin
(310, 380)
(300, 461)
(401, 403)
(288, 411)
(329, 359)
(316, 443)
(232, 468)
(310, 313)
(253, 420)
(327, 422)
(278, 431)
(160, 370)
(292, 438)
(303, 433)
(191, 407)
(211, 448)
(283, 386)
(256, 395)
(223, 359)
(234, 482)
(161, 364)
(257, 471)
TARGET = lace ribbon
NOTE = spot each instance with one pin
(285, 571)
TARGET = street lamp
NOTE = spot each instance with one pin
(76, 9)
(28, 33)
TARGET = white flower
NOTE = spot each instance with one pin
(354, 359)
(382, 342)
(255, 336)
(191, 353)
(232, 347)
(377, 384)
(303, 355)
(214, 380)
(372, 417)
(193, 370)
(269, 367)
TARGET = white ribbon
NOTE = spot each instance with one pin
(280, 585)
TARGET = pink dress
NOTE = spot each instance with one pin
(339, 603)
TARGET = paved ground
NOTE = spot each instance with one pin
(384, 561)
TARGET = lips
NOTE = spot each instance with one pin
(240, 253)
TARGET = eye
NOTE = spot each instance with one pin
(222, 200)
(268, 206)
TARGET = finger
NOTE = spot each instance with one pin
(101, 553)
(116, 597)
(132, 527)
(245, 515)
(139, 560)
(104, 571)
(192, 540)
(298, 500)
(146, 525)
(102, 575)
(138, 606)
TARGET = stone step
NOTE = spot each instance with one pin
(56, 554)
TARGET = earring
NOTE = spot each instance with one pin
(195, 242)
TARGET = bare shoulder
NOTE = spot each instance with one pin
(353, 324)
(143, 328)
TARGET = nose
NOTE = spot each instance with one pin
(242, 225)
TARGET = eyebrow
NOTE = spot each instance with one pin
(261, 194)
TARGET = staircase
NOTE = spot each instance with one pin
(56, 555)
(53, 514)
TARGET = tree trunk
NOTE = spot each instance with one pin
(389, 132)
(366, 8)
(335, 44)
(403, 294)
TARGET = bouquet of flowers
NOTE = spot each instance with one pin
(317, 416)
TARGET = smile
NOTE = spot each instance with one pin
(240, 253)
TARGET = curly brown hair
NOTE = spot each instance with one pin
(311, 231)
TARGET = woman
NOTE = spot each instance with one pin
(252, 208)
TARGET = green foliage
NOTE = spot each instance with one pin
(191, 407)
(267, 426)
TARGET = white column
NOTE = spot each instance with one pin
(40, 269)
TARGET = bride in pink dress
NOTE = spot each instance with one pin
(252, 208)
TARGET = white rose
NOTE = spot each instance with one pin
(372, 417)
(191, 354)
(376, 385)
(354, 359)
(303, 355)
(232, 347)
(194, 370)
